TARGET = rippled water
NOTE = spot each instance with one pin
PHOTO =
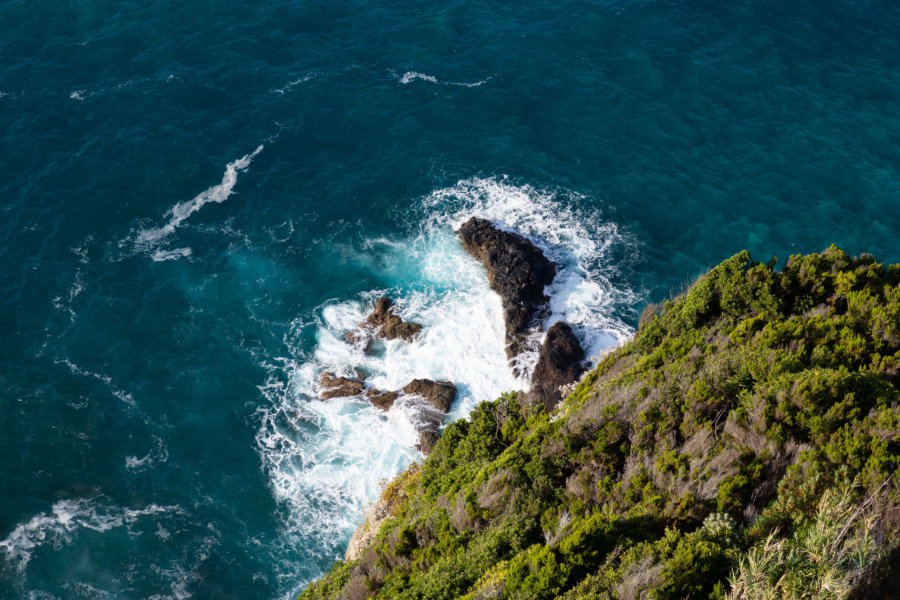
(199, 199)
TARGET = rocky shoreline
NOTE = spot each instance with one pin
(518, 272)
(695, 461)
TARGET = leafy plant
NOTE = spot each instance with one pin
(729, 450)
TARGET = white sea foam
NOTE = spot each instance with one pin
(292, 84)
(106, 379)
(158, 454)
(470, 84)
(183, 576)
(175, 254)
(129, 85)
(75, 289)
(63, 522)
(148, 238)
(82, 251)
(579, 242)
(325, 459)
(411, 76)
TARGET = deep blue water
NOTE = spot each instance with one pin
(199, 198)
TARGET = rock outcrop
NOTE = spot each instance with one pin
(333, 386)
(364, 535)
(517, 270)
(560, 362)
(428, 423)
(428, 438)
(388, 325)
(382, 400)
(440, 394)
(384, 323)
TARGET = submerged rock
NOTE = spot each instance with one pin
(560, 362)
(361, 338)
(333, 386)
(440, 394)
(517, 270)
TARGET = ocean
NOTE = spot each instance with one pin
(199, 199)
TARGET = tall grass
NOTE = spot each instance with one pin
(820, 561)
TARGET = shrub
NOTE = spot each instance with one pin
(733, 420)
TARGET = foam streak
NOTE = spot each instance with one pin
(63, 521)
(178, 213)
(411, 76)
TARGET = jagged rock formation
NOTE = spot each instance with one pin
(384, 323)
(333, 386)
(561, 361)
(440, 394)
(428, 438)
(517, 270)
(382, 400)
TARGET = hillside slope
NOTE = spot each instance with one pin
(743, 445)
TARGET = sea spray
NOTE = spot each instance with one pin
(327, 459)
(579, 240)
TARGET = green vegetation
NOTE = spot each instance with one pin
(743, 445)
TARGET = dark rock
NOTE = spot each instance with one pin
(880, 580)
(389, 325)
(428, 424)
(439, 393)
(560, 362)
(380, 399)
(517, 270)
(427, 440)
(332, 386)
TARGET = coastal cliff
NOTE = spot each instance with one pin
(742, 445)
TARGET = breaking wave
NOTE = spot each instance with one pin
(327, 459)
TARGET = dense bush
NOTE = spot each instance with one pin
(700, 460)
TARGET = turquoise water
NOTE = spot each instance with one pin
(198, 199)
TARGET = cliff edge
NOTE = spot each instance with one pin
(743, 445)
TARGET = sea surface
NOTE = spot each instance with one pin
(199, 199)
